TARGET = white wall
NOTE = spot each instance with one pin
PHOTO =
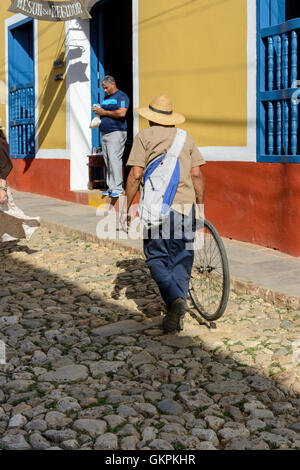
(78, 100)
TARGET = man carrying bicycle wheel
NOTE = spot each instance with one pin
(169, 253)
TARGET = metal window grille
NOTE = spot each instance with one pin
(21, 121)
(278, 110)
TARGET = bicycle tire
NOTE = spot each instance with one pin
(204, 271)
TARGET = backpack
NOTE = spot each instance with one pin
(161, 180)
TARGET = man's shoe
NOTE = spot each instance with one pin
(180, 325)
(115, 194)
(174, 319)
(106, 193)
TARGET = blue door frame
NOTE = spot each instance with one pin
(97, 65)
(21, 89)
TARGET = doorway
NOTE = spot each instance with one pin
(21, 90)
(111, 54)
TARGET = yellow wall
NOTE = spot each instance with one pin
(52, 94)
(195, 51)
(4, 5)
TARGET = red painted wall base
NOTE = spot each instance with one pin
(255, 202)
(251, 202)
(47, 177)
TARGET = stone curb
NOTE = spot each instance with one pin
(273, 297)
(87, 236)
(239, 286)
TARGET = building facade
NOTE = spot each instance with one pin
(231, 66)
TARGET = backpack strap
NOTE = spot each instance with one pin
(174, 151)
(178, 143)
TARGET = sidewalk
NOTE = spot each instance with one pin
(256, 270)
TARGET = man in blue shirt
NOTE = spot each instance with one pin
(113, 128)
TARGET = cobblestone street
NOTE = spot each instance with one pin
(88, 366)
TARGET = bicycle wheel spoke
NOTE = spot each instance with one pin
(209, 283)
(214, 249)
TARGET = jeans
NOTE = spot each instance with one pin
(113, 145)
(169, 259)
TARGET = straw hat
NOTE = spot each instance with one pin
(160, 111)
(2, 128)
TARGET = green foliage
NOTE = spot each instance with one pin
(158, 425)
(251, 351)
(268, 428)
(225, 375)
(240, 404)
(217, 415)
(271, 445)
(114, 430)
(199, 410)
(177, 445)
(50, 405)
(273, 372)
(275, 364)
(240, 364)
(20, 400)
(110, 374)
(66, 350)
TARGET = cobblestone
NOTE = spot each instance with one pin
(88, 365)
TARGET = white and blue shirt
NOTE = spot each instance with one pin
(111, 103)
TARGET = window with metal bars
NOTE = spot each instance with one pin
(278, 59)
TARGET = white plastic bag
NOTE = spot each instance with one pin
(95, 122)
(14, 224)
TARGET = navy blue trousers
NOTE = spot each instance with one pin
(169, 254)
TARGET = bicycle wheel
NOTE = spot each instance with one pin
(210, 280)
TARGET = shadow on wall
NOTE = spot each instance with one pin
(54, 91)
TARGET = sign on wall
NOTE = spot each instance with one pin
(51, 11)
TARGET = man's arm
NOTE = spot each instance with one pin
(117, 114)
(3, 194)
(198, 183)
(132, 186)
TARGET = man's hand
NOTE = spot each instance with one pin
(125, 220)
(3, 196)
(99, 111)
(117, 114)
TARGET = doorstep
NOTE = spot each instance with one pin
(94, 198)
